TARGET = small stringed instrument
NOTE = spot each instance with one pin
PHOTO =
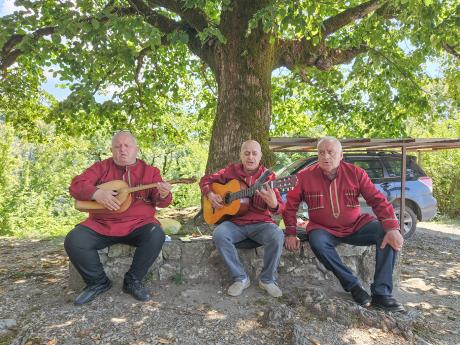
(123, 195)
(235, 195)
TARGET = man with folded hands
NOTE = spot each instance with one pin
(331, 189)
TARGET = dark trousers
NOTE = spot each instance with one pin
(82, 244)
(323, 245)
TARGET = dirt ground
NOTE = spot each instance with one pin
(35, 298)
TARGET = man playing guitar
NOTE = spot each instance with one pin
(257, 223)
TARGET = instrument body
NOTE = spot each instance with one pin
(123, 195)
(235, 195)
(238, 206)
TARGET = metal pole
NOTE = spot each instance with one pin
(402, 207)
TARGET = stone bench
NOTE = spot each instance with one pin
(199, 260)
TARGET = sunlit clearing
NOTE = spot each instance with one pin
(141, 321)
(416, 283)
(421, 306)
(118, 319)
(363, 336)
(247, 325)
(61, 325)
(215, 315)
(20, 281)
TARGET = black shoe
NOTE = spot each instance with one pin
(91, 291)
(135, 288)
(360, 296)
(386, 303)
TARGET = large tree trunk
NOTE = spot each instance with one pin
(243, 69)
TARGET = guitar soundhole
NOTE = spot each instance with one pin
(227, 198)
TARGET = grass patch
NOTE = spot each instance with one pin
(442, 219)
(178, 278)
(7, 339)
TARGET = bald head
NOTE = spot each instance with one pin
(250, 155)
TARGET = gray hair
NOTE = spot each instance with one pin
(124, 131)
(329, 138)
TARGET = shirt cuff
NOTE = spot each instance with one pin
(274, 210)
(290, 230)
(206, 189)
(166, 196)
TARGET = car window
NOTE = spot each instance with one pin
(393, 166)
(294, 167)
(373, 167)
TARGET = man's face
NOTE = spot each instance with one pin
(124, 149)
(250, 155)
(329, 156)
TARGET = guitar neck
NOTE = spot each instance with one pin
(153, 185)
(248, 192)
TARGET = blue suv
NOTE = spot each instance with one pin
(384, 169)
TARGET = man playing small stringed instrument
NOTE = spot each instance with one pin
(135, 226)
(257, 223)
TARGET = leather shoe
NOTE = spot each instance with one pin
(360, 296)
(386, 303)
(135, 288)
(91, 291)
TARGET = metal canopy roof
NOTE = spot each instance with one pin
(283, 144)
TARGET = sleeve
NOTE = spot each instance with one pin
(294, 197)
(281, 206)
(380, 205)
(83, 186)
(155, 194)
(207, 180)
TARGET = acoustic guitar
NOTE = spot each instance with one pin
(235, 195)
(123, 195)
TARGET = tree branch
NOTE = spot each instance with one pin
(350, 15)
(9, 54)
(195, 17)
(140, 63)
(163, 23)
(451, 50)
(303, 53)
(332, 57)
(167, 25)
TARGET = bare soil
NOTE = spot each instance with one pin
(34, 293)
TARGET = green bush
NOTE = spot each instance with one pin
(444, 168)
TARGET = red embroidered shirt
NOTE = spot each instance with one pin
(142, 208)
(333, 204)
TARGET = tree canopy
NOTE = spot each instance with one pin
(251, 67)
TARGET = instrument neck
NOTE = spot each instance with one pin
(138, 188)
(248, 192)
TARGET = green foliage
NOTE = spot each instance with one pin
(34, 198)
(444, 167)
(125, 73)
(34, 178)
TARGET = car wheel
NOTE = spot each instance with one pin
(410, 221)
